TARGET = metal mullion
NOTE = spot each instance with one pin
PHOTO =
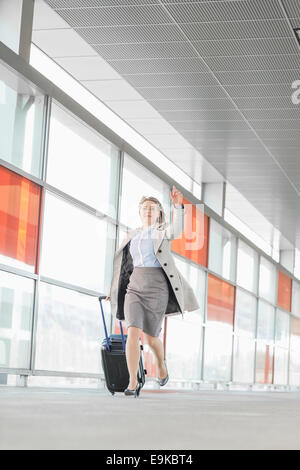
(17, 271)
(40, 235)
(118, 210)
(257, 310)
(204, 325)
(21, 172)
(66, 285)
(275, 325)
(234, 311)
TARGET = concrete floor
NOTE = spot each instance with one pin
(50, 418)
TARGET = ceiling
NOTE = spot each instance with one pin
(208, 79)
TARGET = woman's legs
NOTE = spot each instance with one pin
(158, 349)
(133, 354)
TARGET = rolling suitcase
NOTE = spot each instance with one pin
(113, 359)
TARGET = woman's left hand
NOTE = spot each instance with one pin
(176, 196)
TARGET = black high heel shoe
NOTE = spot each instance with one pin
(163, 381)
(135, 392)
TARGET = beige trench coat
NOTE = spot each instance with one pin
(181, 295)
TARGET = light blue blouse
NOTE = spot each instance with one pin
(142, 249)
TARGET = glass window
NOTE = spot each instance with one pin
(218, 330)
(138, 182)
(294, 377)
(282, 329)
(267, 280)
(245, 314)
(264, 363)
(222, 251)
(282, 337)
(247, 267)
(265, 322)
(284, 292)
(81, 162)
(196, 278)
(244, 345)
(265, 343)
(69, 330)
(77, 247)
(296, 298)
(182, 335)
(184, 346)
(244, 360)
(19, 220)
(16, 309)
(21, 122)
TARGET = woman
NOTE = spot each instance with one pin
(146, 284)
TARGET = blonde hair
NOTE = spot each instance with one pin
(161, 220)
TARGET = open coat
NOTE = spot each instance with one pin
(181, 295)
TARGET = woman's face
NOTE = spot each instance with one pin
(149, 212)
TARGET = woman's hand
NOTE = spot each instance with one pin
(107, 298)
(176, 196)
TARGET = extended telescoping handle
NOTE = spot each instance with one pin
(105, 330)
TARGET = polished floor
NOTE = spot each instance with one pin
(52, 418)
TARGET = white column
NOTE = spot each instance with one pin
(16, 17)
(214, 196)
(287, 259)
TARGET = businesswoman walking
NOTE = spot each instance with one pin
(146, 284)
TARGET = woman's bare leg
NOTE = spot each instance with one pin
(133, 354)
(158, 349)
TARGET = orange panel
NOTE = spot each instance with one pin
(19, 217)
(220, 300)
(193, 244)
(284, 293)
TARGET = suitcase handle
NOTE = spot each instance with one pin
(105, 330)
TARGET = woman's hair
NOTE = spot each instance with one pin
(161, 220)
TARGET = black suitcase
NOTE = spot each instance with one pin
(113, 360)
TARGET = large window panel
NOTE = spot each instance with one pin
(296, 298)
(282, 337)
(222, 251)
(81, 162)
(267, 280)
(218, 331)
(77, 247)
(196, 278)
(138, 182)
(184, 337)
(294, 377)
(184, 346)
(21, 122)
(16, 310)
(247, 267)
(244, 345)
(19, 220)
(69, 331)
(265, 343)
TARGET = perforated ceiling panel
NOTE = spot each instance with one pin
(221, 73)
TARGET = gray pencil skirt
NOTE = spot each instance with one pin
(146, 299)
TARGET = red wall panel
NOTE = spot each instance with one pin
(220, 300)
(194, 248)
(284, 293)
(19, 217)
